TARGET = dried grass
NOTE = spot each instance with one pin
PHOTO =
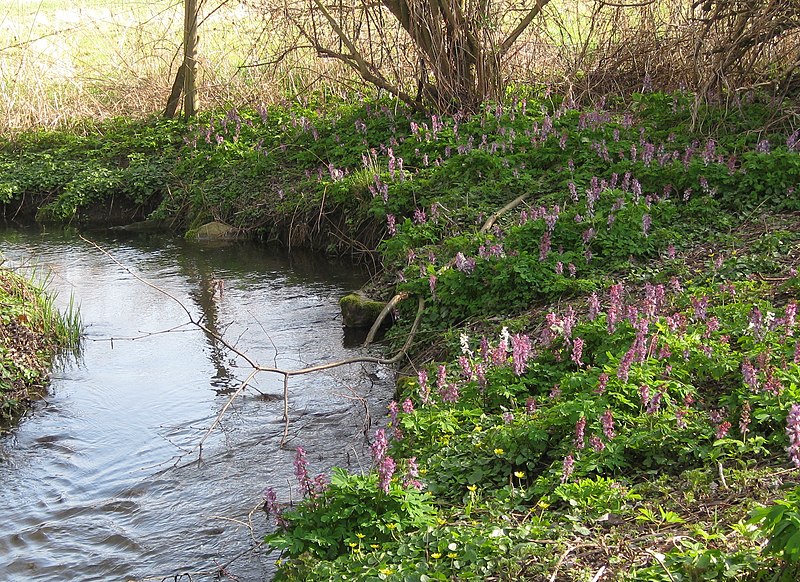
(108, 58)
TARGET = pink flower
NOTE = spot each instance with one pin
(594, 306)
(520, 353)
(411, 478)
(607, 419)
(602, 382)
(793, 432)
(577, 351)
(408, 406)
(722, 430)
(424, 390)
(744, 419)
(596, 444)
(301, 470)
(567, 468)
(580, 428)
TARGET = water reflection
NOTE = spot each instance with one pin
(88, 492)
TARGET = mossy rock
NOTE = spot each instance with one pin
(213, 231)
(359, 310)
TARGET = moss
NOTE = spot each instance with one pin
(359, 310)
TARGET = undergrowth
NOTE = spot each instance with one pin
(32, 332)
(607, 369)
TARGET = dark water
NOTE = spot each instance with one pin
(88, 490)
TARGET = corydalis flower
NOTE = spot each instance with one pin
(577, 351)
(301, 470)
(567, 468)
(410, 479)
(793, 432)
(744, 419)
(607, 419)
(520, 353)
(722, 430)
(384, 464)
(271, 507)
(424, 390)
(580, 428)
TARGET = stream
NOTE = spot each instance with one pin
(92, 482)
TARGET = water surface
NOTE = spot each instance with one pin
(89, 489)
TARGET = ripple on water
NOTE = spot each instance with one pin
(89, 492)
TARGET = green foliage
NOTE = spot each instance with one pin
(351, 509)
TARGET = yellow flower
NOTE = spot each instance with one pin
(519, 474)
(478, 428)
(499, 451)
(452, 555)
(352, 544)
(391, 525)
(386, 571)
(436, 555)
(472, 487)
(360, 536)
(374, 546)
(543, 504)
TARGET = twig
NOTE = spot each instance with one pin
(256, 367)
(510, 206)
(721, 475)
(560, 562)
(660, 563)
(382, 315)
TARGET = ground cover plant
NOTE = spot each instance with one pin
(604, 382)
(615, 394)
(32, 333)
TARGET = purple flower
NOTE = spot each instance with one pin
(272, 508)
(680, 418)
(596, 444)
(391, 224)
(508, 417)
(602, 382)
(750, 375)
(744, 419)
(793, 432)
(408, 406)
(393, 411)
(567, 468)
(594, 306)
(419, 216)
(530, 405)
(411, 478)
(580, 428)
(424, 391)
(386, 468)
(464, 264)
(607, 419)
(301, 470)
(520, 353)
(544, 246)
(577, 351)
(646, 224)
(449, 392)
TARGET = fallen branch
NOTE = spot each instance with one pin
(510, 206)
(382, 315)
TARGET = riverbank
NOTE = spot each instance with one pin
(32, 332)
(605, 381)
